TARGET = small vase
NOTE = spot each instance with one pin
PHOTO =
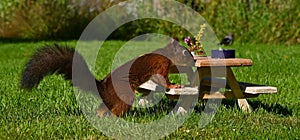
(223, 53)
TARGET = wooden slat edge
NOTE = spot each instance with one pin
(261, 90)
(234, 62)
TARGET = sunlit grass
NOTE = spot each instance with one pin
(51, 109)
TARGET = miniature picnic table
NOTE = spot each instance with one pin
(214, 74)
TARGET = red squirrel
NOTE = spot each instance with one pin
(117, 89)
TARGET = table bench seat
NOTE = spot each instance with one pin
(249, 90)
(257, 89)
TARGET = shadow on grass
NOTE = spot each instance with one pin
(165, 106)
(255, 104)
(272, 108)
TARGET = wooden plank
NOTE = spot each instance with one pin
(184, 91)
(237, 92)
(244, 105)
(176, 93)
(233, 84)
(152, 86)
(228, 62)
(226, 95)
(218, 95)
(245, 87)
(214, 82)
(261, 90)
(212, 71)
(249, 90)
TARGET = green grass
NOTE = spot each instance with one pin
(51, 110)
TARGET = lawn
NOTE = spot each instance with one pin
(51, 110)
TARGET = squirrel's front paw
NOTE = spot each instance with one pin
(176, 86)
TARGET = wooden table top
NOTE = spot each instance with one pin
(217, 62)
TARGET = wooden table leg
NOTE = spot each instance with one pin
(195, 78)
(188, 101)
(186, 104)
(233, 84)
(244, 105)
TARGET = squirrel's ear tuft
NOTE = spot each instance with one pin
(174, 42)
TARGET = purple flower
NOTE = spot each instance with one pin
(187, 41)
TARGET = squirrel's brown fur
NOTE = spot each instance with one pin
(117, 88)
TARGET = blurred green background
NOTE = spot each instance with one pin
(251, 21)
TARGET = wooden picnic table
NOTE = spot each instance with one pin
(213, 74)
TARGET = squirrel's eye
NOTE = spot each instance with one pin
(185, 53)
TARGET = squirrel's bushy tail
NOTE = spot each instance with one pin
(57, 59)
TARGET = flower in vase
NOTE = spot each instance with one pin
(195, 43)
(187, 41)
